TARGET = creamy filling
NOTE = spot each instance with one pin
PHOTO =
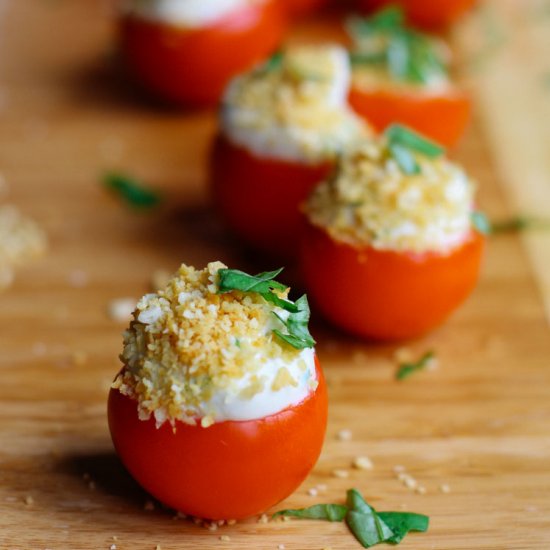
(187, 13)
(234, 404)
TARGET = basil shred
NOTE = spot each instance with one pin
(295, 322)
(367, 525)
(385, 41)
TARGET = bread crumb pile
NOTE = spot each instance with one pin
(369, 200)
(302, 97)
(21, 240)
(187, 342)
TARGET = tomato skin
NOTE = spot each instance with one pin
(259, 198)
(191, 67)
(384, 295)
(441, 117)
(428, 14)
(231, 470)
(301, 8)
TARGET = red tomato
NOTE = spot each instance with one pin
(192, 66)
(230, 470)
(429, 14)
(441, 117)
(259, 198)
(385, 295)
(300, 8)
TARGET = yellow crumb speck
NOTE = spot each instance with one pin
(225, 538)
(263, 518)
(342, 474)
(344, 435)
(362, 463)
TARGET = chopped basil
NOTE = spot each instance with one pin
(367, 525)
(404, 158)
(263, 284)
(272, 64)
(330, 512)
(403, 143)
(385, 40)
(403, 522)
(296, 322)
(297, 326)
(481, 222)
(364, 522)
(131, 191)
(519, 223)
(406, 369)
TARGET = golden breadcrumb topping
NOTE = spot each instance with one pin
(369, 200)
(187, 342)
(302, 92)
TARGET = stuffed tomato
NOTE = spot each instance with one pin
(220, 409)
(429, 14)
(282, 126)
(402, 76)
(390, 251)
(185, 51)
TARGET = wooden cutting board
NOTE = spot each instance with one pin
(475, 432)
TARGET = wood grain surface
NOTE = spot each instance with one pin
(479, 424)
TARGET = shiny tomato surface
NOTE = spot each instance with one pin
(230, 470)
(428, 14)
(300, 8)
(443, 117)
(259, 198)
(385, 295)
(190, 66)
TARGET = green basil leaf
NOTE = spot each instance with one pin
(396, 134)
(383, 21)
(406, 369)
(409, 55)
(404, 158)
(403, 522)
(364, 522)
(296, 323)
(133, 192)
(368, 529)
(329, 512)
(272, 64)
(481, 222)
(263, 284)
(233, 279)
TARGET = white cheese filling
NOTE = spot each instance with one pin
(187, 13)
(297, 112)
(232, 405)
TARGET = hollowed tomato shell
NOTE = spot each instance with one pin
(443, 117)
(230, 470)
(384, 295)
(191, 66)
(259, 198)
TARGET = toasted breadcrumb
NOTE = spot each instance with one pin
(342, 474)
(371, 201)
(21, 240)
(344, 435)
(120, 309)
(362, 463)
